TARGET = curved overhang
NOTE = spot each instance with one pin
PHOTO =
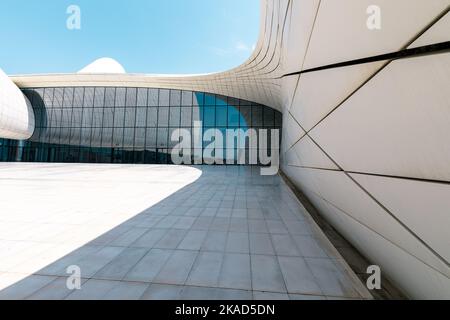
(16, 112)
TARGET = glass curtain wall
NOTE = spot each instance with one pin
(127, 125)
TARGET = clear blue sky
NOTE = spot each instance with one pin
(145, 36)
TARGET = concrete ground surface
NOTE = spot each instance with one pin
(162, 232)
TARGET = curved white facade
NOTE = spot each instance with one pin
(366, 142)
(103, 65)
(16, 112)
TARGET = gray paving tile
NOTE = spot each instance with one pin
(119, 266)
(284, 245)
(306, 297)
(224, 212)
(215, 241)
(239, 212)
(331, 280)
(126, 291)
(167, 222)
(238, 225)
(150, 238)
(149, 266)
(171, 239)
(128, 237)
(266, 274)
(198, 293)
(184, 223)
(299, 228)
(236, 272)
(193, 240)
(255, 214)
(55, 290)
(237, 242)
(257, 226)
(309, 247)
(206, 269)
(220, 224)
(93, 262)
(194, 212)
(162, 292)
(177, 268)
(258, 295)
(209, 212)
(93, 289)
(298, 277)
(202, 223)
(261, 243)
(276, 227)
(26, 287)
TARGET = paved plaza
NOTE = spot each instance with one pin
(162, 232)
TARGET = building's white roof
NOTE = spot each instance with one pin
(102, 66)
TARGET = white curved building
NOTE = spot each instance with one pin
(16, 112)
(366, 121)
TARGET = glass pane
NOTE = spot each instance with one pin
(186, 98)
(163, 117)
(88, 97)
(78, 97)
(141, 117)
(152, 116)
(99, 97)
(152, 98)
(175, 98)
(108, 117)
(110, 95)
(142, 97)
(164, 96)
(131, 97)
(210, 100)
(68, 97)
(175, 116)
(151, 137)
(58, 97)
(162, 137)
(130, 117)
(221, 116)
(186, 117)
(119, 117)
(209, 117)
(120, 97)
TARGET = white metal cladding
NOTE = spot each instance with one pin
(16, 113)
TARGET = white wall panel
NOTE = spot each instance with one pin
(341, 32)
(427, 211)
(413, 277)
(395, 124)
(298, 34)
(437, 34)
(318, 93)
(306, 153)
(340, 191)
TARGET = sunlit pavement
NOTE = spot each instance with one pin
(161, 232)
